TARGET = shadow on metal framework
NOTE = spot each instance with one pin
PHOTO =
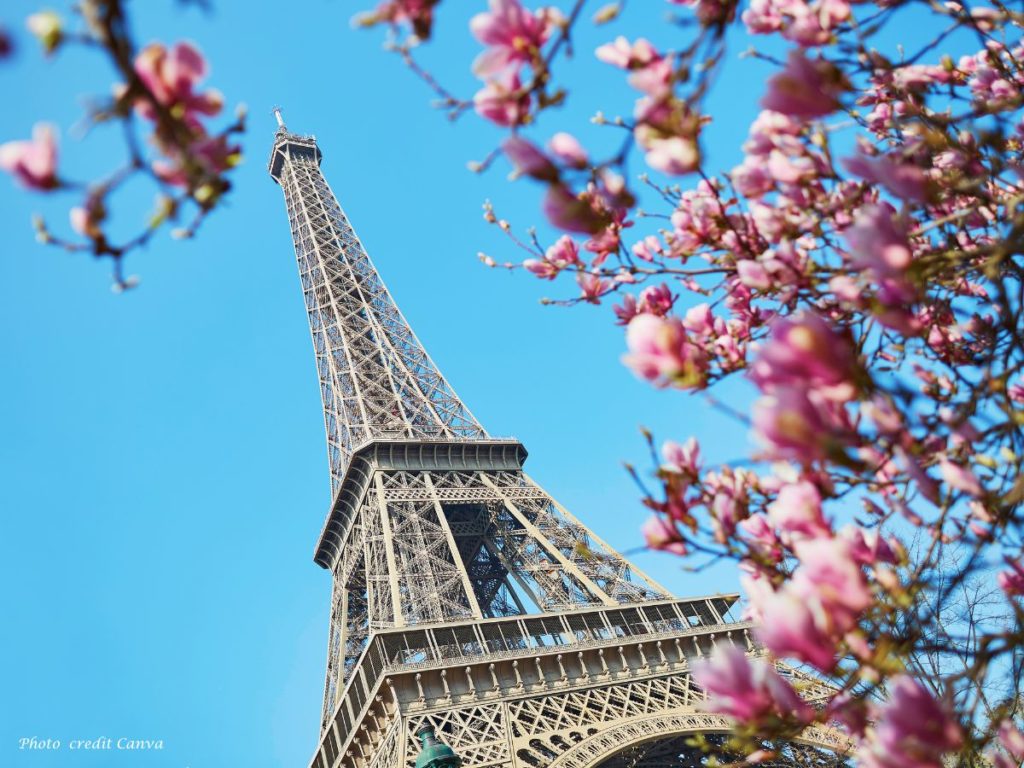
(466, 600)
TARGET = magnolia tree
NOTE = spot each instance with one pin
(862, 267)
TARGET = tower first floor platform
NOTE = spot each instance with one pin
(592, 687)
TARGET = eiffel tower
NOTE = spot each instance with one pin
(467, 603)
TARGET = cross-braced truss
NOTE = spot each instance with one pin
(430, 547)
(376, 379)
(464, 595)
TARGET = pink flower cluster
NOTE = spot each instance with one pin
(806, 372)
(598, 210)
(659, 343)
(711, 12)
(748, 689)
(170, 77)
(1010, 753)
(666, 128)
(654, 300)
(806, 89)
(514, 38)
(559, 256)
(911, 729)
(805, 23)
(810, 615)
(1012, 581)
(419, 14)
(661, 351)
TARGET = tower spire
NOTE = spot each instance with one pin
(376, 379)
(280, 120)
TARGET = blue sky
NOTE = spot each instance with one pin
(163, 468)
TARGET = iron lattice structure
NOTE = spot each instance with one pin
(465, 597)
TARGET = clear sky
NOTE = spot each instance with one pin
(162, 468)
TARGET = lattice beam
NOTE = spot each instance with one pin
(376, 379)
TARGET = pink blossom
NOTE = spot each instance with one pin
(807, 23)
(795, 424)
(528, 159)
(1011, 743)
(566, 148)
(880, 118)
(502, 100)
(788, 170)
(911, 729)
(562, 254)
(747, 689)
(662, 535)
(419, 14)
(803, 351)
(651, 72)
(760, 537)
(850, 712)
(661, 352)
(790, 626)
(805, 89)
(33, 162)
(86, 218)
(657, 300)
(647, 248)
(621, 53)
(573, 213)
(960, 478)
(171, 77)
(867, 547)
(700, 320)
(813, 24)
(711, 12)
(752, 178)
(512, 34)
(809, 614)
(683, 458)
(830, 576)
(725, 514)
(668, 134)
(627, 310)
(1012, 581)
(883, 412)
(879, 245)
(797, 510)
(211, 155)
(771, 131)
(697, 219)
(609, 202)
(655, 79)
(674, 155)
(905, 181)
(592, 287)
(762, 17)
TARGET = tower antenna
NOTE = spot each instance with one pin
(277, 115)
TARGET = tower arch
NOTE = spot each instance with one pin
(601, 749)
